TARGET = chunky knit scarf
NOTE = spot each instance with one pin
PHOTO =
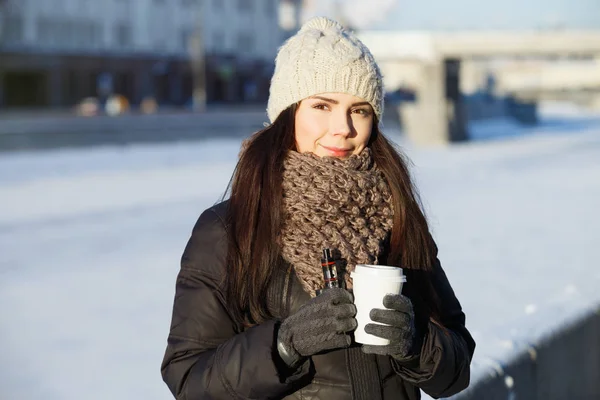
(333, 203)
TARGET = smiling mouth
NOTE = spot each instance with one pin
(337, 151)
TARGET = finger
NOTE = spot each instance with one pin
(384, 331)
(326, 305)
(373, 349)
(311, 312)
(398, 302)
(344, 311)
(315, 327)
(343, 340)
(390, 317)
(337, 341)
(346, 325)
(337, 296)
(325, 325)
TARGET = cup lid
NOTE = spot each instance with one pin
(378, 271)
(366, 277)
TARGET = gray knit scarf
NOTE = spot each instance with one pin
(344, 205)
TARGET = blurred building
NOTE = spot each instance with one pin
(58, 52)
(290, 14)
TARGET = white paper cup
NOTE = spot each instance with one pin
(370, 284)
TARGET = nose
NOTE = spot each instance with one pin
(341, 124)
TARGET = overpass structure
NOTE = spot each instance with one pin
(430, 63)
(544, 77)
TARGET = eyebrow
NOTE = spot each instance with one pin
(332, 101)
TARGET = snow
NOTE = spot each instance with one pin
(90, 242)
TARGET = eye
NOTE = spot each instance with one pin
(321, 106)
(362, 111)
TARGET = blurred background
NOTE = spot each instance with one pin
(121, 120)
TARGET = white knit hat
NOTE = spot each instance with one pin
(324, 57)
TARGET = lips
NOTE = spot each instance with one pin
(337, 151)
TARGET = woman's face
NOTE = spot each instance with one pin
(333, 124)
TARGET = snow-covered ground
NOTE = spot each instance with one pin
(90, 242)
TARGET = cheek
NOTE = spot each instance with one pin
(308, 131)
(363, 132)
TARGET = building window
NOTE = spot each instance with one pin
(68, 33)
(270, 6)
(96, 34)
(89, 33)
(85, 33)
(160, 44)
(187, 39)
(245, 42)
(123, 35)
(79, 38)
(63, 33)
(245, 5)
(218, 43)
(41, 30)
(13, 29)
(46, 31)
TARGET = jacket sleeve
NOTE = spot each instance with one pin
(443, 367)
(207, 355)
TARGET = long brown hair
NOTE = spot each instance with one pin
(255, 218)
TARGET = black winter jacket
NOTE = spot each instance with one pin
(208, 356)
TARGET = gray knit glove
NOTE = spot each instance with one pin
(319, 325)
(400, 330)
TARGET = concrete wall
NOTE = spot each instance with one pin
(21, 132)
(563, 365)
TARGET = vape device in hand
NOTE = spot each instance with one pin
(330, 275)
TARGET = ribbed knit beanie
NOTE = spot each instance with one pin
(324, 57)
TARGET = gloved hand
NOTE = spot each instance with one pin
(401, 332)
(319, 325)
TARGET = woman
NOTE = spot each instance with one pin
(247, 320)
